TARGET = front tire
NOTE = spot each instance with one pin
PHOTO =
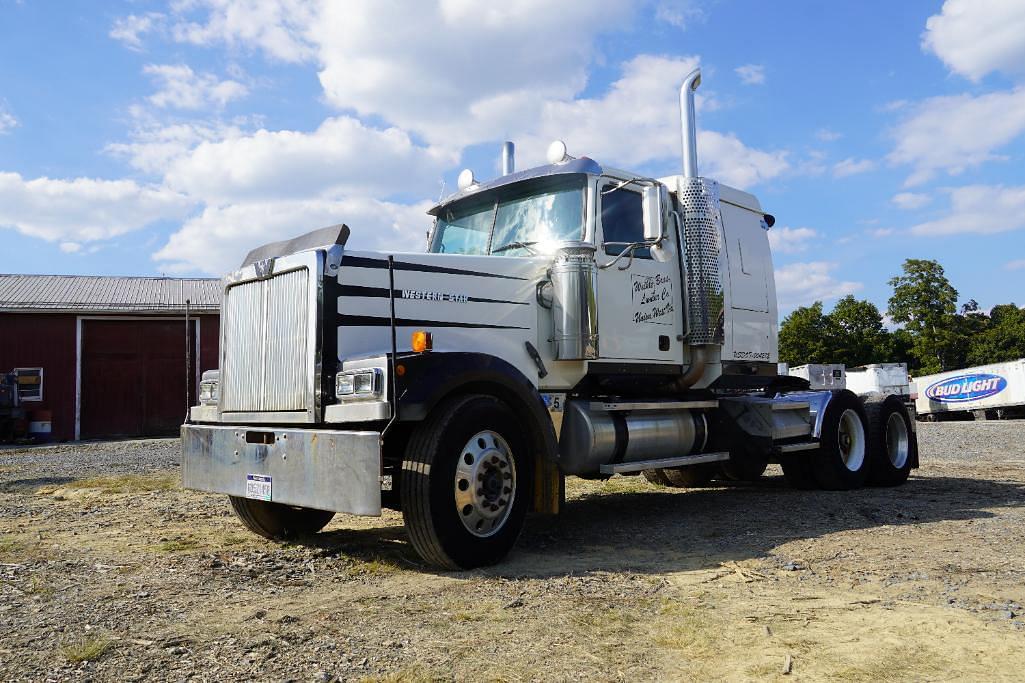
(842, 461)
(276, 521)
(466, 483)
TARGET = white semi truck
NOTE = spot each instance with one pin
(569, 319)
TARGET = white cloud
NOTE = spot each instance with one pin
(1018, 264)
(70, 247)
(343, 156)
(83, 209)
(910, 200)
(979, 209)
(975, 37)
(218, 239)
(277, 27)
(882, 232)
(725, 158)
(7, 120)
(154, 146)
(751, 74)
(455, 72)
(790, 240)
(851, 166)
(955, 133)
(130, 30)
(182, 88)
(679, 13)
(800, 284)
(827, 135)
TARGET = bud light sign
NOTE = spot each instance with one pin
(964, 388)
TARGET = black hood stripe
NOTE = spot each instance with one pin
(376, 321)
(363, 262)
(382, 292)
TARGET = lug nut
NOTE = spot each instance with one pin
(507, 490)
(494, 508)
(507, 476)
(502, 502)
(480, 492)
(494, 459)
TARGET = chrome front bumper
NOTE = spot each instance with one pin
(322, 469)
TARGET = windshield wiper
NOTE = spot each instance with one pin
(515, 245)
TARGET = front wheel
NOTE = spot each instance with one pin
(277, 521)
(466, 483)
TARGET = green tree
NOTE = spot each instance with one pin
(857, 335)
(804, 336)
(1003, 338)
(925, 302)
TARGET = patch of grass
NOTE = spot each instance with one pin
(685, 628)
(377, 566)
(10, 546)
(413, 674)
(126, 483)
(177, 545)
(86, 649)
(37, 586)
(896, 664)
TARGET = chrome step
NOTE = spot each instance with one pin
(682, 461)
(794, 447)
(653, 405)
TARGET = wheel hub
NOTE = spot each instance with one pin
(485, 483)
(851, 440)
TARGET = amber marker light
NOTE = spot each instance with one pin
(422, 341)
(400, 370)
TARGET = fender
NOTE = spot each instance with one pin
(430, 377)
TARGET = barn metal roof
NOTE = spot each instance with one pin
(94, 293)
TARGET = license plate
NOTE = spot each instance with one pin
(258, 486)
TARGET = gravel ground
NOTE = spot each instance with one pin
(61, 461)
(108, 571)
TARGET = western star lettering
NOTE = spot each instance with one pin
(434, 296)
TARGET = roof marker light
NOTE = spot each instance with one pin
(557, 152)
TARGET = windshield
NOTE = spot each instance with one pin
(518, 220)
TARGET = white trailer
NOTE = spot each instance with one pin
(881, 378)
(986, 391)
(567, 320)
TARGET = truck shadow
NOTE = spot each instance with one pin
(671, 530)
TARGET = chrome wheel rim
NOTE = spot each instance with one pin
(485, 484)
(851, 440)
(898, 445)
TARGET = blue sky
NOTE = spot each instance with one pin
(148, 137)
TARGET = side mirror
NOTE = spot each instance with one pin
(656, 201)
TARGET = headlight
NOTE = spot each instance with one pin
(209, 388)
(353, 384)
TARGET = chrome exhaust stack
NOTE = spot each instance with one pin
(688, 123)
(702, 230)
(508, 157)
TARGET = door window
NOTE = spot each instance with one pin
(622, 221)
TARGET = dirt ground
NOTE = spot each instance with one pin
(108, 576)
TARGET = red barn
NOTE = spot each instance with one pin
(111, 354)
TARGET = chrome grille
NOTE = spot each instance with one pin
(265, 363)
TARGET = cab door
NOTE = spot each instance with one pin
(640, 309)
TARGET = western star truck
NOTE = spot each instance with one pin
(568, 319)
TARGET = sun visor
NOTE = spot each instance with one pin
(318, 239)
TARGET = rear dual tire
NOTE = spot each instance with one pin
(893, 446)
